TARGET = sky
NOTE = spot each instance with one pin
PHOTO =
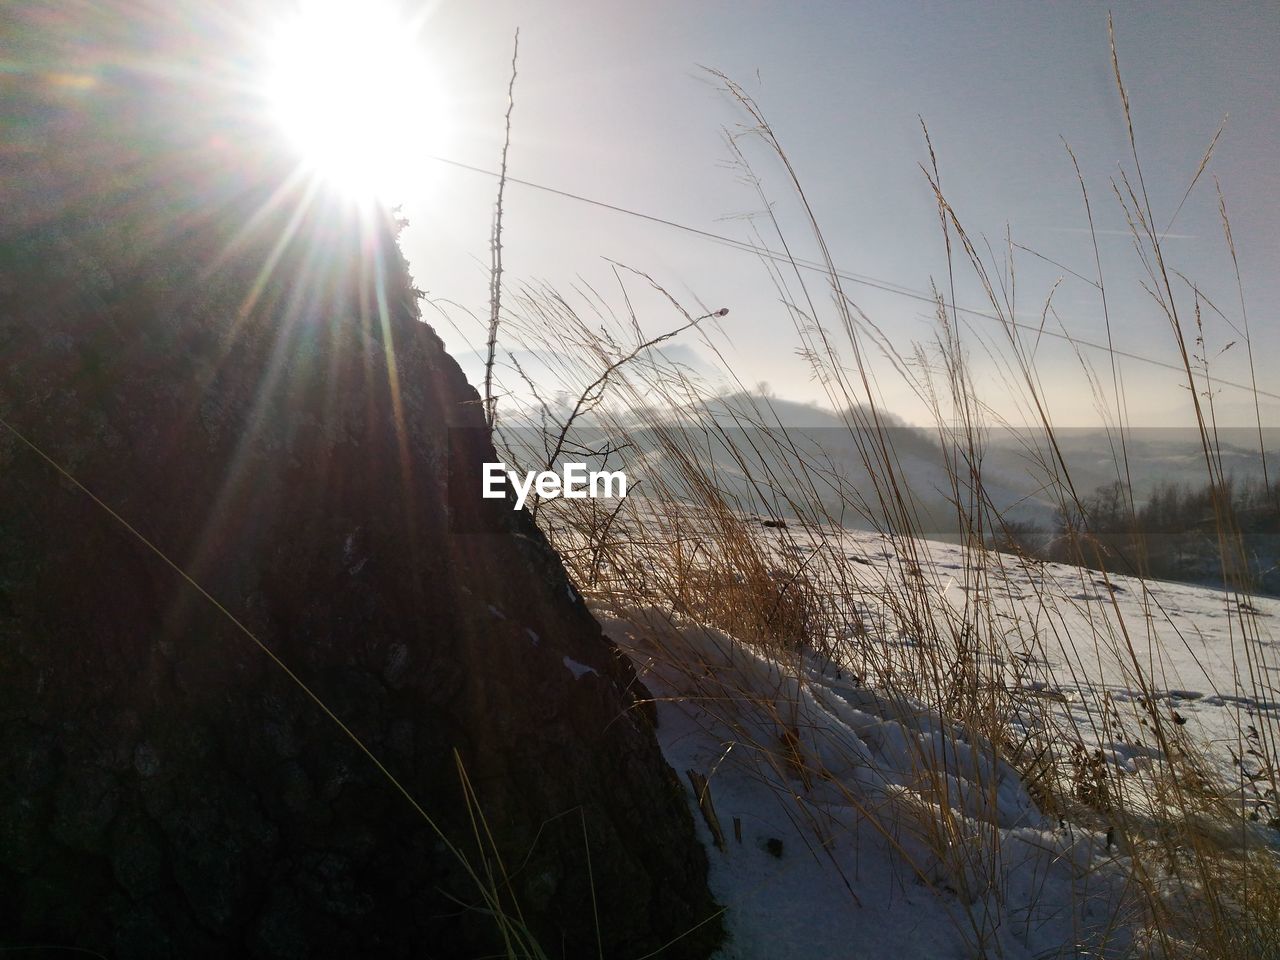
(613, 102)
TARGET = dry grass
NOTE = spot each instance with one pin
(691, 547)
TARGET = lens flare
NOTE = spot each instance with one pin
(351, 87)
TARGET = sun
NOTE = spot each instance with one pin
(349, 84)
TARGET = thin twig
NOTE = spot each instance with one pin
(495, 249)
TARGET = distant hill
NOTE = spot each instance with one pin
(1015, 467)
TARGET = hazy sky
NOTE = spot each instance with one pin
(611, 103)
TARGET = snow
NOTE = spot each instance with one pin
(1082, 635)
(579, 670)
(872, 826)
(834, 771)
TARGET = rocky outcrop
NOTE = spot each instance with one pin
(234, 365)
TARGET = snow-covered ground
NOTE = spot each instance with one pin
(854, 821)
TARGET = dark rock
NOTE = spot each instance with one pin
(236, 367)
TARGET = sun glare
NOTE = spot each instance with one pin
(352, 89)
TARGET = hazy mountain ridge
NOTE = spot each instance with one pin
(1013, 465)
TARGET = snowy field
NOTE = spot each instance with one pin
(846, 819)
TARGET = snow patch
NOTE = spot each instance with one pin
(829, 815)
(579, 670)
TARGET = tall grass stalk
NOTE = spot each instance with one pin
(690, 548)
